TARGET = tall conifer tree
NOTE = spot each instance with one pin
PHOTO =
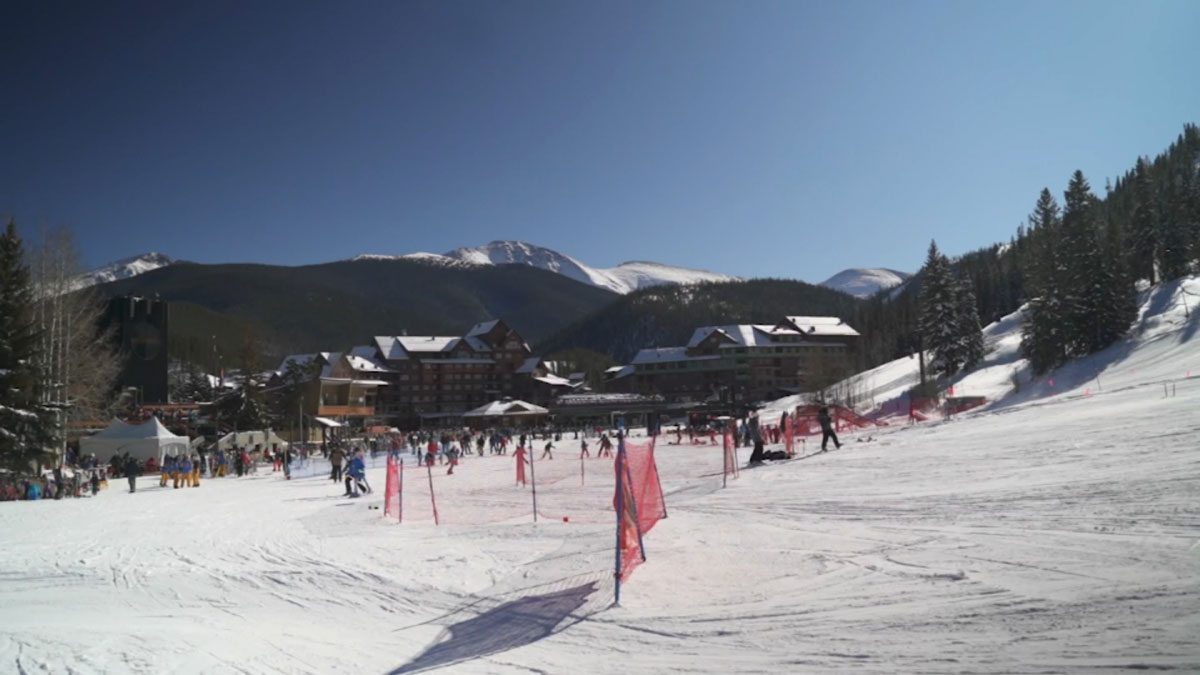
(26, 426)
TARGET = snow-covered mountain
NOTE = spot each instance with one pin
(123, 269)
(624, 278)
(863, 282)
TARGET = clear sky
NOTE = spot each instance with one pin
(789, 139)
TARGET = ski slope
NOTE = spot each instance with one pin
(1053, 532)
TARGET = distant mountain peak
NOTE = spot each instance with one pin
(624, 278)
(123, 269)
(863, 282)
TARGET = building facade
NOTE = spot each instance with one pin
(744, 362)
(435, 378)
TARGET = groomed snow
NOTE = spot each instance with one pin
(1059, 532)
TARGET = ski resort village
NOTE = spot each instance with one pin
(600, 339)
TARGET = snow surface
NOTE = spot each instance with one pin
(1052, 532)
(122, 269)
(1159, 346)
(624, 278)
(863, 282)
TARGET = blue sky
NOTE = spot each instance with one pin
(789, 139)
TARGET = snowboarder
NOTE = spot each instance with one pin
(755, 433)
(826, 423)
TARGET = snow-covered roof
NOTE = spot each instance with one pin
(554, 380)
(660, 354)
(298, 359)
(427, 343)
(741, 335)
(820, 325)
(367, 365)
(529, 365)
(618, 372)
(390, 347)
(477, 344)
(482, 328)
(330, 359)
(365, 351)
(506, 408)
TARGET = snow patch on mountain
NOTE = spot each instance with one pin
(863, 282)
(624, 278)
(122, 269)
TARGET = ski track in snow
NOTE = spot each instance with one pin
(1056, 534)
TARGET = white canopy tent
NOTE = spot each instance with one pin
(141, 441)
(507, 408)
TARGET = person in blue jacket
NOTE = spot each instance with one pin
(184, 467)
(168, 468)
(357, 470)
(35, 490)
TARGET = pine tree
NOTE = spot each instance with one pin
(26, 426)
(1043, 339)
(1144, 228)
(970, 333)
(939, 308)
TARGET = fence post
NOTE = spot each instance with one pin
(432, 499)
(533, 482)
(620, 509)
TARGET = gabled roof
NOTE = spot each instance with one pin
(330, 359)
(363, 364)
(477, 344)
(482, 328)
(428, 343)
(298, 359)
(739, 335)
(390, 348)
(529, 365)
(365, 351)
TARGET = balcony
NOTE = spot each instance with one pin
(345, 410)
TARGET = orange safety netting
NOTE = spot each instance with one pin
(639, 500)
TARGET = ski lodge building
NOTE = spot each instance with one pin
(744, 362)
(409, 381)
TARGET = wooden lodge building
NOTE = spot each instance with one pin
(746, 362)
(413, 381)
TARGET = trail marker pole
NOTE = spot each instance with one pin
(620, 504)
(533, 482)
(432, 499)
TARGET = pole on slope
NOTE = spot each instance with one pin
(400, 495)
(620, 509)
(432, 499)
(725, 459)
(582, 480)
(533, 482)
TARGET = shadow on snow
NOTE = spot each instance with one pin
(513, 624)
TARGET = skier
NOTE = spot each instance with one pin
(196, 464)
(605, 446)
(827, 433)
(356, 476)
(583, 448)
(452, 457)
(546, 453)
(335, 464)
